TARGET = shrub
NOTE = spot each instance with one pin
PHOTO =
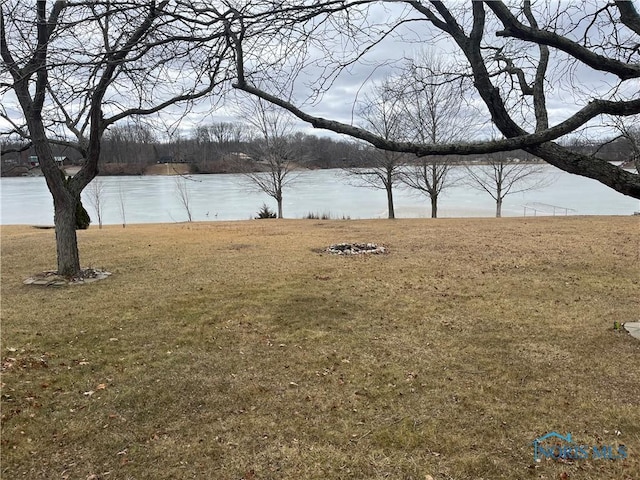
(265, 212)
(82, 217)
(317, 216)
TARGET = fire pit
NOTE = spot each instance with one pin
(356, 249)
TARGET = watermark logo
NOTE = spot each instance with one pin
(562, 447)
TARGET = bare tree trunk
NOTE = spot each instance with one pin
(279, 200)
(65, 205)
(122, 206)
(66, 238)
(392, 213)
(499, 196)
(434, 206)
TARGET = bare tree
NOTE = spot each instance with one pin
(434, 112)
(226, 134)
(75, 68)
(631, 133)
(513, 53)
(500, 175)
(95, 197)
(383, 172)
(431, 175)
(182, 192)
(122, 205)
(275, 158)
(382, 113)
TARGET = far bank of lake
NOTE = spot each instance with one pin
(155, 199)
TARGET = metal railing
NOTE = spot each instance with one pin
(546, 209)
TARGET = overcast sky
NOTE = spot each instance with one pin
(340, 102)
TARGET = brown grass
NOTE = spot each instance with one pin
(237, 351)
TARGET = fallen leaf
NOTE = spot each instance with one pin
(101, 386)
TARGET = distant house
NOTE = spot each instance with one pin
(236, 157)
(240, 155)
(60, 161)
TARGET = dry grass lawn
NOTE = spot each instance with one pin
(237, 350)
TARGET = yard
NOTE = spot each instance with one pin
(242, 350)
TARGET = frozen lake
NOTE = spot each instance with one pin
(151, 199)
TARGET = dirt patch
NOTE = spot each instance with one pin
(52, 279)
(168, 169)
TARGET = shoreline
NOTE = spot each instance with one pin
(315, 221)
(173, 169)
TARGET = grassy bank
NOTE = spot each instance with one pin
(238, 351)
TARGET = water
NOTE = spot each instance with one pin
(155, 199)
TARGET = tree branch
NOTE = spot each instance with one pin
(539, 102)
(629, 15)
(592, 110)
(513, 28)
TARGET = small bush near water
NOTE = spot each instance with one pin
(316, 216)
(265, 212)
(323, 216)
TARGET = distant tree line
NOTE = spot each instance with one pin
(229, 147)
(223, 147)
